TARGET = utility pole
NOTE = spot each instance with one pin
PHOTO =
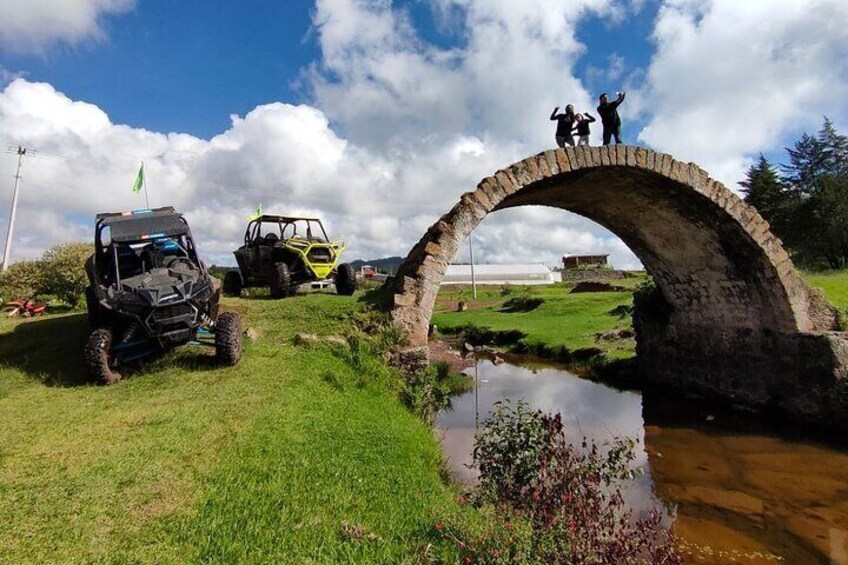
(11, 230)
(471, 255)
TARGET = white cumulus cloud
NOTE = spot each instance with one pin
(31, 26)
(397, 128)
(731, 79)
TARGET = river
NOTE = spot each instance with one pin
(740, 490)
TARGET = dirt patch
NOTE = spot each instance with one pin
(593, 286)
(442, 351)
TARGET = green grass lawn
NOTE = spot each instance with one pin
(833, 283)
(562, 319)
(295, 455)
(572, 320)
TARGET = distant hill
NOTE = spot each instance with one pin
(385, 265)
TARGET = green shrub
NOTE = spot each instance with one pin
(60, 272)
(570, 497)
(507, 451)
(64, 269)
(22, 279)
(428, 392)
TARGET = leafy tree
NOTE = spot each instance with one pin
(64, 267)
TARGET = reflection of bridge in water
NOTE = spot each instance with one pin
(731, 316)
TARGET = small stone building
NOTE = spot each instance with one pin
(574, 261)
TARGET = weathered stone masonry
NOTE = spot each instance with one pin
(740, 324)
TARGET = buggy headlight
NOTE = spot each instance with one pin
(203, 293)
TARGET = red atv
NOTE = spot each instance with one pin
(24, 308)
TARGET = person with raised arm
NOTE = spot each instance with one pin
(565, 125)
(610, 118)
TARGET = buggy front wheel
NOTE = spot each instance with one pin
(280, 280)
(345, 279)
(232, 284)
(98, 356)
(228, 338)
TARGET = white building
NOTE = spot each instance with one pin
(500, 274)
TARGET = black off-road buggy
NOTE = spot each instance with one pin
(150, 292)
(285, 252)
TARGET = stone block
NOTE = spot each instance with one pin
(542, 166)
(641, 157)
(665, 165)
(572, 158)
(605, 155)
(434, 249)
(553, 165)
(620, 155)
(563, 160)
(630, 155)
(506, 182)
(404, 299)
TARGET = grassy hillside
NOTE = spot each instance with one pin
(561, 319)
(298, 454)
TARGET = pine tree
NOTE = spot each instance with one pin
(835, 149)
(764, 191)
(811, 157)
(807, 160)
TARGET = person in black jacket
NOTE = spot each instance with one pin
(583, 121)
(610, 118)
(565, 125)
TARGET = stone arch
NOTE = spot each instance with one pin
(728, 279)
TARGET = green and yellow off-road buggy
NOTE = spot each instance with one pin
(285, 252)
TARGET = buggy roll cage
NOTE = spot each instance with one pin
(142, 226)
(254, 228)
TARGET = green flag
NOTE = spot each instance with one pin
(257, 214)
(139, 180)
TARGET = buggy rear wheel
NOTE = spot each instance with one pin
(232, 284)
(280, 280)
(98, 356)
(345, 279)
(228, 338)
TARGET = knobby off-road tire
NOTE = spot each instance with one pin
(228, 339)
(280, 280)
(345, 279)
(98, 348)
(95, 318)
(232, 284)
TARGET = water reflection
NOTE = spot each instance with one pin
(744, 492)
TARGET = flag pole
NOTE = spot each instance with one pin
(144, 183)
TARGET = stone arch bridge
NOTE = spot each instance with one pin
(736, 319)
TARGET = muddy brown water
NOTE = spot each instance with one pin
(739, 489)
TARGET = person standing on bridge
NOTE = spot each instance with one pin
(583, 121)
(565, 125)
(610, 118)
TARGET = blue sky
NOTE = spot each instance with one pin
(378, 114)
(187, 66)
